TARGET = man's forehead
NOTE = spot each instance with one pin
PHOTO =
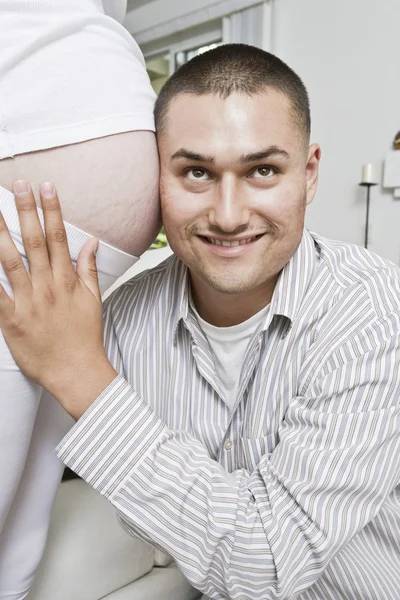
(204, 106)
(246, 123)
(192, 115)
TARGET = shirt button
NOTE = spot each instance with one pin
(228, 445)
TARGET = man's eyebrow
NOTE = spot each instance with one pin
(182, 153)
(271, 152)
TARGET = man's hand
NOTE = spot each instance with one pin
(53, 323)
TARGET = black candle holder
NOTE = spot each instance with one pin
(368, 186)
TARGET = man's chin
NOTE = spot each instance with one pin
(228, 285)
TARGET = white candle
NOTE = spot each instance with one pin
(368, 174)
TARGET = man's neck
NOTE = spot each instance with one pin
(227, 310)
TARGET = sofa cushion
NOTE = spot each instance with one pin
(161, 559)
(161, 584)
(87, 555)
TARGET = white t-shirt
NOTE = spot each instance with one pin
(68, 73)
(229, 345)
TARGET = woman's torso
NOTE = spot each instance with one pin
(70, 77)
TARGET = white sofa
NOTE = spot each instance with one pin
(148, 260)
(89, 556)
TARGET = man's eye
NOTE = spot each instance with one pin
(196, 173)
(263, 172)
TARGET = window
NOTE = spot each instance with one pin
(183, 56)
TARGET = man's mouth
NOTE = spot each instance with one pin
(231, 243)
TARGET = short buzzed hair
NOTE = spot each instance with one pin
(236, 68)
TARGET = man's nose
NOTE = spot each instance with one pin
(229, 209)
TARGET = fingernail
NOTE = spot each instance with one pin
(95, 246)
(47, 189)
(21, 187)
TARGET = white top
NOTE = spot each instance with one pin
(229, 345)
(54, 54)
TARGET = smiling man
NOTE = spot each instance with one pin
(237, 173)
(244, 415)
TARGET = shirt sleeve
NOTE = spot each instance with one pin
(267, 534)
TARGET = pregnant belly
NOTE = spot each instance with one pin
(108, 186)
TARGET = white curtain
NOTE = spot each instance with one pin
(249, 26)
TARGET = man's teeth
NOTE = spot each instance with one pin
(234, 243)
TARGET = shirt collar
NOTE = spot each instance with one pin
(180, 314)
(295, 279)
(289, 291)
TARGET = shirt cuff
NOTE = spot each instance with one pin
(112, 437)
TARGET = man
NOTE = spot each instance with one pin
(246, 417)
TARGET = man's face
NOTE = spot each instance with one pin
(236, 177)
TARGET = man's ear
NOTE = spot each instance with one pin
(312, 166)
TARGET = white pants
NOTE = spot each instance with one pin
(31, 424)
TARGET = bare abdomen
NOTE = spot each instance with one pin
(107, 186)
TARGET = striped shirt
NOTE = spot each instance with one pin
(293, 493)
